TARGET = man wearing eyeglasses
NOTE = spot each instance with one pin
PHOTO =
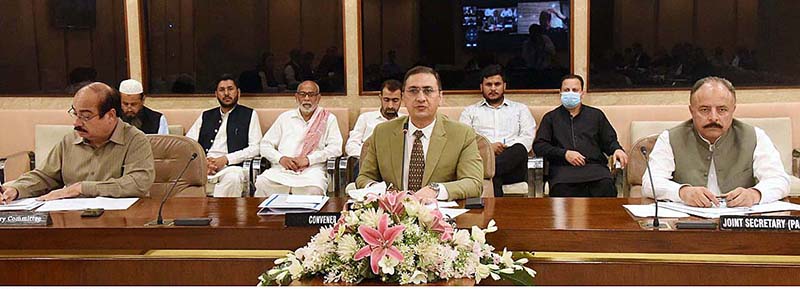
(105, 157)
(297, 145)
(229, 134)
(440, 159)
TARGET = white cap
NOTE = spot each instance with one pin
(131, 86)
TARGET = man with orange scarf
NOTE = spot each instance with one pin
(298, 145)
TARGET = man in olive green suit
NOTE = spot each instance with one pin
(441, 158)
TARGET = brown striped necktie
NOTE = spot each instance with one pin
(416, 168)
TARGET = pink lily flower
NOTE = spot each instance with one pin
(379, 242)
(392, 202)
(440, 225)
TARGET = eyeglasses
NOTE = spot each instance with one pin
(83, 118)
(428, 91)
(304, 94)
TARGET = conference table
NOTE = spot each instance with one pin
(592, 241)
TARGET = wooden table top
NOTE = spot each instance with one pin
(532, 224)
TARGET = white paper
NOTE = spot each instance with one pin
(710, 213)
(21, 205)
(452, 213)
(451, 204)
(279, 202)
(644, 211)
(76, 204)
(361, 194)
(305, 199)
(774, 207)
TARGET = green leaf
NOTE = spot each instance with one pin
(520, 277)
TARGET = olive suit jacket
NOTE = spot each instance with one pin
(452, 158)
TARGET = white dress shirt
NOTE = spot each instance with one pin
(163, 127)
(773, 182)
(219, 146)
(510, 123)
(363, 129)
(426, 141)
(283, 139)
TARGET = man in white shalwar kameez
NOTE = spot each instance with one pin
(297, 145)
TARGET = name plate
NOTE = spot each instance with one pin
(318, 219)
(760, 223)
(25, 218)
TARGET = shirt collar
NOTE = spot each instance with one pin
(426, 131)
(485, 103)
(117, 136)
(223, 114)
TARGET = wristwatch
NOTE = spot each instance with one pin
(436, 187)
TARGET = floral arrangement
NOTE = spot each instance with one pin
(396, 238)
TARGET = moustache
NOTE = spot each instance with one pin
(713, 125)
(80, 129)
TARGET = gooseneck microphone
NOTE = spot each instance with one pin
(160, 219)
(403, 160)
(643, 150)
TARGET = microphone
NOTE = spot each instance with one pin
(160, 219)
(643, 150)
(403, 162)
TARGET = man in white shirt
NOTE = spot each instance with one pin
(507, 124)
(229, 134)
(135, 113)
(714, 156)
(297, 145)
(390, 106)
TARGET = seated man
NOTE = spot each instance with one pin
(106, 157)
(441, 156)
(297, 145)
(575, 139)
(136, 114)
(229, 134)
(715, 156)
(507, 124)
(365, 125)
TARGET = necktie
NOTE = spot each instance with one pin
(416, 168)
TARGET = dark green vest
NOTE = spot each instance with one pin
(732, 154)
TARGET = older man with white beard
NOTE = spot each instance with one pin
(298, 145)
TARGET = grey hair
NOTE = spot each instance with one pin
(316, 86)
(711, 79)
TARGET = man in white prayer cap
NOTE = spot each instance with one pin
(135, 113)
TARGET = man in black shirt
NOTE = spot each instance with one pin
(576, 139)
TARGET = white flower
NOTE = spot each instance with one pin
(419, 277)
(387, 264)
(413, 207)
(323, 236)
(508, 271)
(507, 261)
(348, 246)
(478, 235)
(296, 269)
(491, 227)
(350, 219)
(461, 239)
(530, 272)
(482, 273)
(370, 217)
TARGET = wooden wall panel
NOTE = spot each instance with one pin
(674, 22)
(715, 24)
(37, 57)
(635, 22)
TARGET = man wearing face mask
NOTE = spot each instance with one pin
(576, 139)
(297, 145)
(365, 125)
(229, 134)
(508, 125)
(714, 156)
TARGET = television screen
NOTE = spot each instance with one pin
(501, 23)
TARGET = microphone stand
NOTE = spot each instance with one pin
(656, 224)
(160, 220)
